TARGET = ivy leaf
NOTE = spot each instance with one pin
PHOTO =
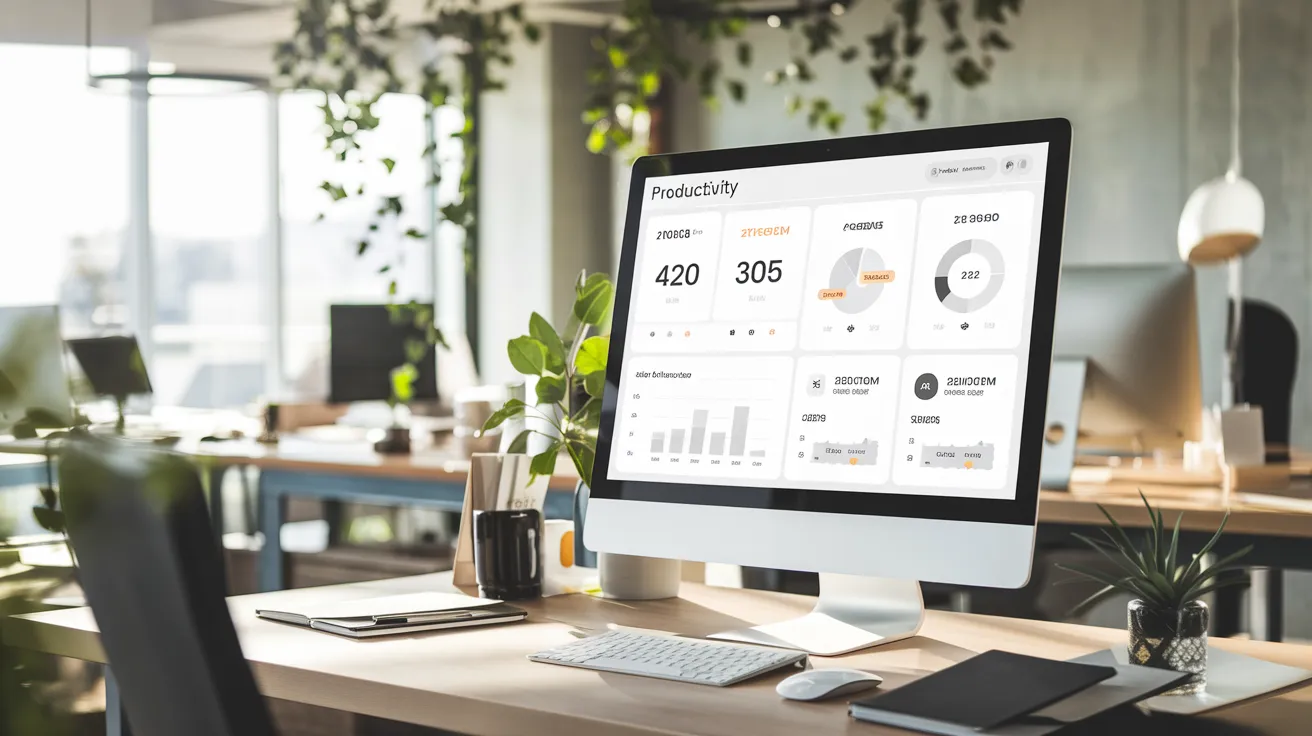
(532, 32)
(550, 389)
(876, 115)
(336, 191)
(385, 269)
(737, 90)
(584, 456)
(848, 54)
(544, 463)
(597, 136)
(391, 289)
(591, 356)
(649, 85)
(415, 233)
(519, 445)
(512, 408)
(592, 305)
(361, 247)
(389, 164)
(995, 39)
(594, 383)
(542, 331)
(969, 74)
(527, 355)
(956, 44)
(744, 53)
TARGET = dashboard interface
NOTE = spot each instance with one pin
(856, 325)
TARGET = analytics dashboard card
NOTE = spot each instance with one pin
(856, 325)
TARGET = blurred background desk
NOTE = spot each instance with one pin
(21, 470)
(1278, 527)
(337, 472)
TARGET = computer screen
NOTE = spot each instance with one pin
(366, 345)
(860, 325)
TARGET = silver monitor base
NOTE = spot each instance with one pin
(852, 613)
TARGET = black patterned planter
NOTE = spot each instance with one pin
(1171, 640)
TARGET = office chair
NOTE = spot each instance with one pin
(147, 562)
(1269, 349)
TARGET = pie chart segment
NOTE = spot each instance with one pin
(942, 283)
(846, 275)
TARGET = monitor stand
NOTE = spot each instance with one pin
(852, 613)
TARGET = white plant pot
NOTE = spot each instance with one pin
(632, 578)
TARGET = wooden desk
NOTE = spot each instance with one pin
(479, 682)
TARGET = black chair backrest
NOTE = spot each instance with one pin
(1269, 349)
(151, 572)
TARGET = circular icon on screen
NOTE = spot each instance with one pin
(926, 386)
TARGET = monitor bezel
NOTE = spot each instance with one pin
(1022, 509)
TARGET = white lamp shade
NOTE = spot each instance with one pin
(1223, 219)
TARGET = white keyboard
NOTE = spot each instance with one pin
(670, 657)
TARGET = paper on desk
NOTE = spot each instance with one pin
(395, 605)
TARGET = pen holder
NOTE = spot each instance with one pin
(508, 554)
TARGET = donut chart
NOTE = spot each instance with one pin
(942, 284)
(846, 275)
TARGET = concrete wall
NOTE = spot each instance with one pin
(114, 22)
(543, 214)
(1145, 83)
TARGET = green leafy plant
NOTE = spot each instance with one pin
(571, 376)
(1152, 572)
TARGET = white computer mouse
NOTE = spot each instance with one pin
(821, 684)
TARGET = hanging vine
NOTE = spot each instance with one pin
(346, 49)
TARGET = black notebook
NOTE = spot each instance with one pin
(980, 693)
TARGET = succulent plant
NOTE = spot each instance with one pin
(1152, 571)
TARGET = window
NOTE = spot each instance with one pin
(64, 188)
(211, 223)
(321, 263)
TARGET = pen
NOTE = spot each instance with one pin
(423, 618)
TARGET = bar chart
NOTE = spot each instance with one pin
(697, 437)
(703, 416)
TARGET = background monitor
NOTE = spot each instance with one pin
(33, 380)
(366, 345)
(833, 356)
(1139, 328)
(113, 365)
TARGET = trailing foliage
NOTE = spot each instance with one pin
(347, 49)
(1152, 571)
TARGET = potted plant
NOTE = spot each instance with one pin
(1167, 619)
(570, 377)
(403, 377)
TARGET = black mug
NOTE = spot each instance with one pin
(508, 554)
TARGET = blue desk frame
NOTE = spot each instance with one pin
(277, 485)
(23, 474)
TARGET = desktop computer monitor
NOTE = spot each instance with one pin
(833, 356)
(113, 365)
(366, 345)
(33, 382)
(1139, 329)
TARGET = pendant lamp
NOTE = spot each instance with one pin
(1224, 218)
